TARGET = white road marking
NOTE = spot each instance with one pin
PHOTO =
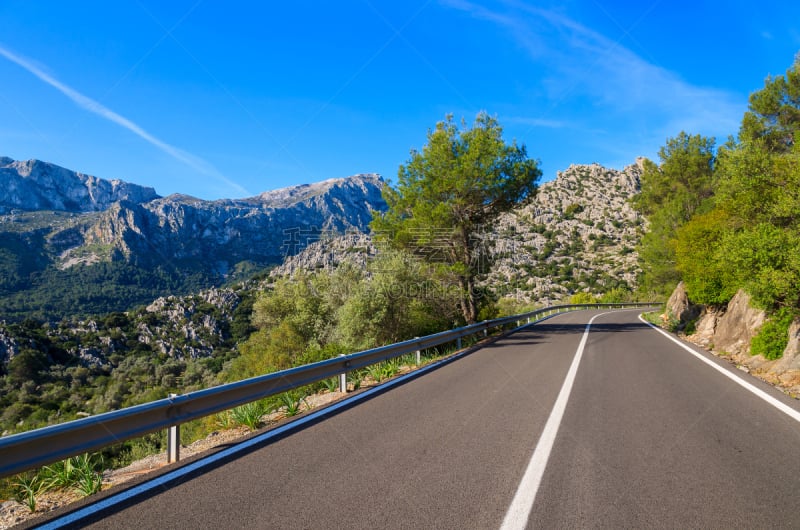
(520, 508)
(795, 415)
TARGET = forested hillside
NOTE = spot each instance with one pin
(727, 218)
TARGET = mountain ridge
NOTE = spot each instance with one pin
(181, 242)
(36, 185)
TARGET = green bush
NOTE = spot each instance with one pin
(582, 298)
(771, 340)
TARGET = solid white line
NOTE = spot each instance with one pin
(789, 411)
(520, 508)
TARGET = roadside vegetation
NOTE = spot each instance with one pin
(726, 218)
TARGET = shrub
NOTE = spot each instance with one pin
(78, 473)
(582, 298)
(773, 336)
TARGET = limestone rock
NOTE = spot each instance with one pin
(705, 328)
(37, 185)
(679, 307)
(738, 325)
(787, 368)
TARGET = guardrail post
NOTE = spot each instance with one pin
(173, 440)
(343, 380)
(458, 343)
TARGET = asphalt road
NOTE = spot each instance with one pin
(651, 437)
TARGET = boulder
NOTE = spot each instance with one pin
(787, 368)
(738, 325)
(680, 308)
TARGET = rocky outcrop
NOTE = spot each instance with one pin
(729, 331)
(680, 309)
(786, 370)
(738, 325)
(36, 185)
(578, 234)
(8, 345)
(331, 251)
(181, 327)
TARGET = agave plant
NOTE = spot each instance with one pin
(26, 488)
(86, 480)
(292, 400)
(250, 414)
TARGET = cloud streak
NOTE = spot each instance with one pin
(88, 104)
(580, 62)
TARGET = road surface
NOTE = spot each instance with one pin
(638, 433)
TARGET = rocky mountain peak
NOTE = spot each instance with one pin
(35, 185)
(364, 184)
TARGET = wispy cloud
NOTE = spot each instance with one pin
(543, 123)
(580, 62)
(87, 103)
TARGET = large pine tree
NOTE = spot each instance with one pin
(448, 196)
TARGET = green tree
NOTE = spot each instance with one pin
(750, 238)
(450, 193)
(268, 350)
(671, 193)
(774, 111)
(759, 195)
(700, 258)
(28, 365)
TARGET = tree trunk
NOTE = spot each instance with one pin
(469, 304)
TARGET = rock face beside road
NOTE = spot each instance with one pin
(728, 332)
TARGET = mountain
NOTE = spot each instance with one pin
(578, 234)
(74, 244)
(222, 234)
(36, 185)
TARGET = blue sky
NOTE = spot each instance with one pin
(228, 99)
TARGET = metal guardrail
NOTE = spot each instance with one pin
(32, 449)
